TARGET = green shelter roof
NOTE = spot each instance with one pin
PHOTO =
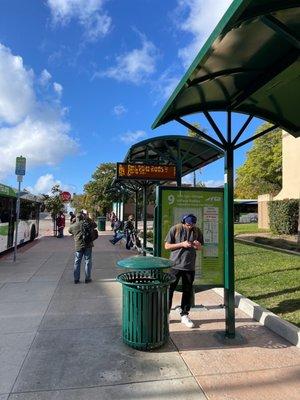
(193, 153)
(250, 64)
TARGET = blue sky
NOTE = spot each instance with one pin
(82, 80)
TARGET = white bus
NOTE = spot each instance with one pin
(28, 227)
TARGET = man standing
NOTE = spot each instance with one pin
(183, 240)
(82, 230)
(60, 223)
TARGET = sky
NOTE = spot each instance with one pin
(83, 80)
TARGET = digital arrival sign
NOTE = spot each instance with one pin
(207, 204)
(146, 172)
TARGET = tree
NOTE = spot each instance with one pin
(98, 199)
(54, 204)
(262, 171)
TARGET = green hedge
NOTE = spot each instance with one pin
(283, 215)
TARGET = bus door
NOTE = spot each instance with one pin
(12, 220)
(7, 218)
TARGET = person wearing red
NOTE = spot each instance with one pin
(60, 224)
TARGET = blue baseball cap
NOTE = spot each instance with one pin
(190, 219)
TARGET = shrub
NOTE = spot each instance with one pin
(283, 215)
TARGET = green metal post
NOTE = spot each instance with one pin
(136, 210)
(144, 218)
(229, 237)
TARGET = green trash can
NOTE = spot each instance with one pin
(145, 324)
(101, 223)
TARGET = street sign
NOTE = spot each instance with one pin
(20, 165)
(65, 196)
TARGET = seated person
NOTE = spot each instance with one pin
(128, 229)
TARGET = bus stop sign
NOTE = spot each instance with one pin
(20, 165)
(65, 196)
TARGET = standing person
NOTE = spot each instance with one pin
(184, 240)
(72, 217)
(60, 223)
(112, 218)
(82, 230)
(129, 229)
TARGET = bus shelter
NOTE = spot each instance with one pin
(186, 154)
(250, 64)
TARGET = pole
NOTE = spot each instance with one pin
(229, 237)
(136, 211)
(144, 218)
(20, 178)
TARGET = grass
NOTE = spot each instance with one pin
(247, 228)
(270, 278)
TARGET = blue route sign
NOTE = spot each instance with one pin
(20, 165)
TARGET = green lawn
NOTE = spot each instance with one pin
(270, 278)
(247, 228)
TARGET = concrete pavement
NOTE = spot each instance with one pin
(60, 341)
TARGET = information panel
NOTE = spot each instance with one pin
(146, 172)
(207, 205)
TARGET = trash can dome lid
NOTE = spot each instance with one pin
(141, 262)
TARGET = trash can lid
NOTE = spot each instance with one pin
(141, 262)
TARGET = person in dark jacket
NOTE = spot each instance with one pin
(82, 248)
(60, 223)
(72, 217)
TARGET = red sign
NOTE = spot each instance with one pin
(65, 196)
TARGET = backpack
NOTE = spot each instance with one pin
(86, 232)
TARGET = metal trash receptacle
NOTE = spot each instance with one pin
(145, 324)
(101, 223)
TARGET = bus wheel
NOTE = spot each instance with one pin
(32, 233)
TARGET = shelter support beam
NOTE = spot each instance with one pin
(214, 126)
(144, 218)
(256, 136)
(229, 236)
(242, 130)
(136, 210)
(200, 133)
(277, 26)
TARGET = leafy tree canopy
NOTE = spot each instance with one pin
(53, 203)
(262, 171)
(98, 197)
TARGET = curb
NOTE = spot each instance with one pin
(283, 328)
(266, 246)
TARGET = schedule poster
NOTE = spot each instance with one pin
(207, 204)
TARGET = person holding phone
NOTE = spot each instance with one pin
(183, 240)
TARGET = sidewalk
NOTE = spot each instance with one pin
(60, 341)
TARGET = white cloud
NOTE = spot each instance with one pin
(213, 183)
(58, 88)
(89, 13)
(45, 183)
(132, 137)
(119, 110)
(189, 179)
(134, 66)
(16, 88)
(31, 127)
(165, 84)
(45, 77)
(203, 16)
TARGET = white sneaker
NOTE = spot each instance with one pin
(185, 319)
(178, 309)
